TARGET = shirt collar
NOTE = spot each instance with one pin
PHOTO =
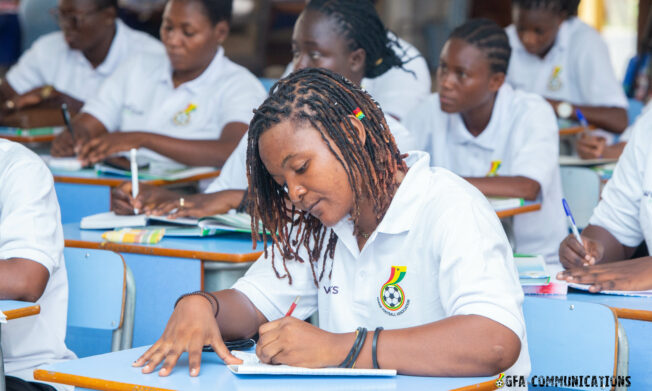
(403, 209)
(487, 139)
(210, 74)
(116, 51)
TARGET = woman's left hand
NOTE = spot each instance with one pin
(292, 341)
(99, 148)
(632, 275)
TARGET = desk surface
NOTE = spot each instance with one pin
(222, 248)
(114, 371)
(91, 177)
(43, 138)
(530, 206)
(568, 131)
(18, 309)
(629, 307)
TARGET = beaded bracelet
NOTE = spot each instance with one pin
(207, 295)
(358, 347)
(374, 347)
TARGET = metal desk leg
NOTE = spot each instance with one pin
(623, 355)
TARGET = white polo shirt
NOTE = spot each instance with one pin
(140, 96)
(445, 238)
(398, 90)
(625, 209)
(51, 62)
(233, 175)
(30, 227)
(523, 135)
(585, 75)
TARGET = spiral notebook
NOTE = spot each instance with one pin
(252, 366)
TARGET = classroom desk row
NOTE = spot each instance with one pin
(14, 310)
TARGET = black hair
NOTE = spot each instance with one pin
(490, 38)
(360, 24)
(565, 7)
(217, 10)
(101, 4)
(324, 100)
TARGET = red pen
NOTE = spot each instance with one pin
(293, 306)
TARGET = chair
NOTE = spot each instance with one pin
(581, 187)
(573, 338)
(101, 300)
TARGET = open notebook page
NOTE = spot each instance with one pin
(252, 366)
(618, 293)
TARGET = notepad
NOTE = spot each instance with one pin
(531, 269)
(62, 163)
(252, 366)
(585, 287)
(157, 170)
(565, 160)
(501, 203)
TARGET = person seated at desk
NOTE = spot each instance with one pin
(368, 220)
(340, 35)
(499, 139)
(561, 58)
(620, 222)
(32, 268)
(191, 106)
(68, 66)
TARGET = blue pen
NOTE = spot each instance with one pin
(582, 119)
(571, 221)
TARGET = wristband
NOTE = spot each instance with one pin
(374, 346)
(358, 347)
(207, 295)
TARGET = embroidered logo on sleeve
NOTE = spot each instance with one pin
(392, 297)
(183, 116)
(555, 79)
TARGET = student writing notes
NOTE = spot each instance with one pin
(190, 105)
(31, 265)
(340, 35)
(620, 222)
(69, 66)
(566, 61)
(476, 120)
(370, 240)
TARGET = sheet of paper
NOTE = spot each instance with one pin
(252, 366)
(618, 293)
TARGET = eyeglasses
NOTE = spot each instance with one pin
(73, 19)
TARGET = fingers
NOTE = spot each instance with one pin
(195, 348)
(62, 145)
(572, 253)
(223, 352)
(152, 357)
(269, 353)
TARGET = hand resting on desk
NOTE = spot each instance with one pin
(631, 275)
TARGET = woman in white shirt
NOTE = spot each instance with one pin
(556, 55)
(342, 36)
(32, 267)
(70, 65)
(370, 240)
(503, 141)
(620, 223)
(190, 106)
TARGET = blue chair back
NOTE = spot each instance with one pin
(101, 302)
(571, 338)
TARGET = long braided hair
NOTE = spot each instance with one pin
(490, 38)
(360, 24)
(325, 100)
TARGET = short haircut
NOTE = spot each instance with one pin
(490, 38)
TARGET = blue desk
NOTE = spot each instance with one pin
(166, 270)
(114, 371)
(14, 310)
(85, 192)
(635, 315)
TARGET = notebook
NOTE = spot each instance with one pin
(62, 163)
(584, 287)
(23, 132)
(252, 366)
(502, 203)
(156, 171)
(182, 226)
(565, 160)
(531, 269)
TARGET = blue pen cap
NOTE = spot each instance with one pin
(567, 209)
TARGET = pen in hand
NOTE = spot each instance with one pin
(134, 177)
(293, 306)
(583, 121)
(66, 121)
(571, 221)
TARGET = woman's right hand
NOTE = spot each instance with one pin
(591, 147)
(149, 196)
(63, 145)
(572, 254)
(190, 327)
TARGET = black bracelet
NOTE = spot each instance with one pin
(358, 347)
(208, 296)
(348, 361)
(374, 347)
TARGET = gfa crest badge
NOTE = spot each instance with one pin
(183, 116)
(554, 83)
(392, 297)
